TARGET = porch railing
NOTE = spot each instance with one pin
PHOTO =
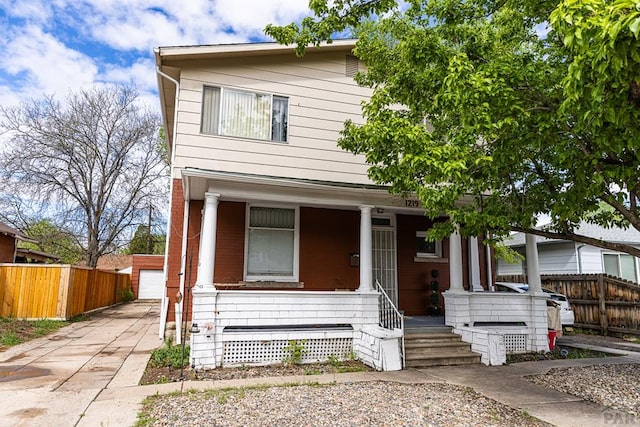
(390, 316)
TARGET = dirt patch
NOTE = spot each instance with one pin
(17, 331)
(569, 347)
(170, 374)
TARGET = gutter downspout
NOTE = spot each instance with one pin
(490, 286)
(173, 157)
(579, 258)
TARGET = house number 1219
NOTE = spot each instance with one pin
(412, 203)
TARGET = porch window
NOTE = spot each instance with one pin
(272, 243)
(244, 114)
(620, 265)
(426, 248)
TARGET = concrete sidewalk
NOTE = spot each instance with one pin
(87, 375)
(55, 380)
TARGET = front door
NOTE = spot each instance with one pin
(384, 265)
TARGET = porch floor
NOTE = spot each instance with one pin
(423, 321)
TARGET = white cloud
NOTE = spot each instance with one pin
(262, 12)
(33, 11)
(142, 25)
(39, 56)
(47, 64)
(141, 73)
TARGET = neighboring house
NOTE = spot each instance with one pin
(9, 237)
(568, 257)
(10, 252)
(280, 232)
(32, 256)
(114, 262)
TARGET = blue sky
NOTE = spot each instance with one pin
(52, 46)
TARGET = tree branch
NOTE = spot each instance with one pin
(619, 247)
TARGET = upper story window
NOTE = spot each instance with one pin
(233, 112)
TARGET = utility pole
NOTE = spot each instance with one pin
(149, 235)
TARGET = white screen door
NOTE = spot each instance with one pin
(385, 270)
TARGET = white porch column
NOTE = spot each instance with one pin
(366, 257)
(533, 271)
(474, 265)
(207, 253)
(455, 262)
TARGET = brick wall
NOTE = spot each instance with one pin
(175, 246)
(230, 242)
(414, 276)
(327, 238)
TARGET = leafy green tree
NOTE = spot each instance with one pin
(53, 240)
(145, 242)
(92, 165)
(494, 112)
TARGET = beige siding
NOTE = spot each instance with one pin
(320, 96)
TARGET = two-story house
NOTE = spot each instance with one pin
(279, 232)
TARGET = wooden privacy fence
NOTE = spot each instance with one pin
(38, 291)
(599, 301)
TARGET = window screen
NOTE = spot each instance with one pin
(271, 242)
(244, 114)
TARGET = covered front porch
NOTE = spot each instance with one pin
(323, 295)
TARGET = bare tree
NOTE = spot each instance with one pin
(91, 164)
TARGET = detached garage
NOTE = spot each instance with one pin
(151, 284)
(147, 277)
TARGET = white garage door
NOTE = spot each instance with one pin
(151, 284)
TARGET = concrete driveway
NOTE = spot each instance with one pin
(58, 380)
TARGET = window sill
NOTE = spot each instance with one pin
(244, 138)
(433, 260)
(272, 284)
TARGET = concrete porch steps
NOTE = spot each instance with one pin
(425, 348)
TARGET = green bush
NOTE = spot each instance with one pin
(169, 356)
(127, 295)
(294, 352)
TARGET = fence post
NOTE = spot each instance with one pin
(63, 292)
(602, 305)
(116, 286)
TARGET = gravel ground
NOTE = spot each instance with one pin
(391, 404)
(349, 404)
(615, 386)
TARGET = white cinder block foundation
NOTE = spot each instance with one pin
(257, 327)
(497, 323)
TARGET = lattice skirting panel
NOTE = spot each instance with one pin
(515, 343)
(275, 351)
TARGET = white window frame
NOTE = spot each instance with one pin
(618, 254)
(296, 244)
(219, 126)
(438, 245)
